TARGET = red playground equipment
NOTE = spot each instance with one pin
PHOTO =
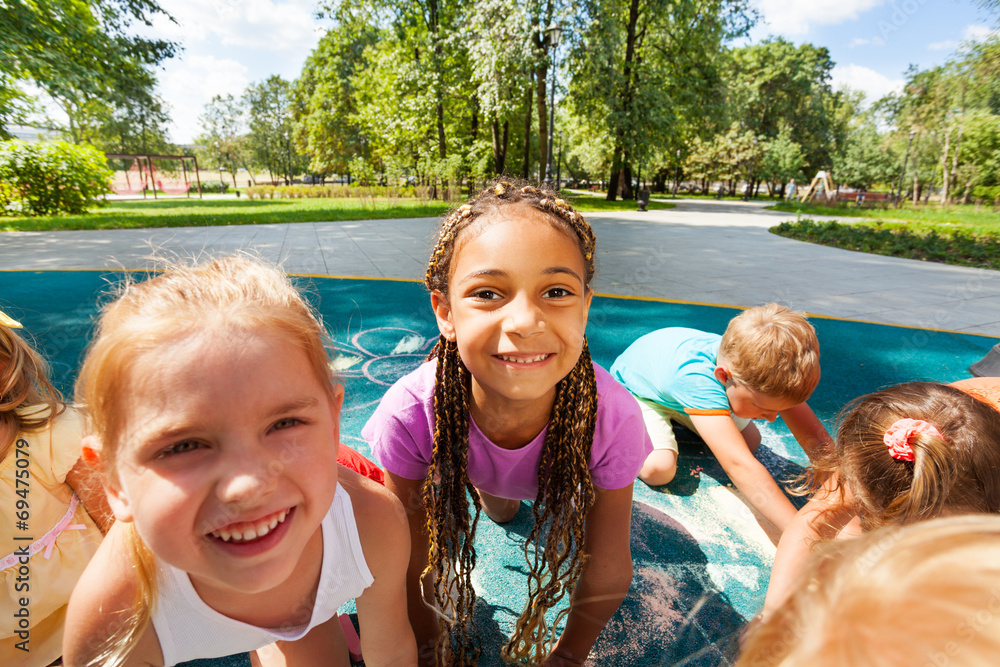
(161, 175)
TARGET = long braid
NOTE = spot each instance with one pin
(565, 491)
(565, 496)
(451, 556)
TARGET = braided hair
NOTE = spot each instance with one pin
(565, 491)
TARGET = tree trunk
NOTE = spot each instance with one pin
(627, 190)
(965, 195)
(916, 187)
(616, 165)
(527, 131)
(541, 75)
(499, 145)
(958, 146)
(945, 174)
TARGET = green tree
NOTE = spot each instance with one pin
(865, 158)
(775, 84)
(224, 135)
(76, 51)
(782, 159)
(648, 70)
(269, 105)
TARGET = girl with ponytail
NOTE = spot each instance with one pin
(509, 407)
(905, 454)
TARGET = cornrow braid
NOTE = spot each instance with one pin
(565, 490)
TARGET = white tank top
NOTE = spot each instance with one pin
(189, 629)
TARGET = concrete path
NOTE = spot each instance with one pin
(707, 251)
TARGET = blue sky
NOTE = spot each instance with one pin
(229, 44)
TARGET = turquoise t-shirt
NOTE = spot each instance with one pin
(675, 367)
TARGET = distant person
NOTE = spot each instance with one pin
(790, 190)
(903, 454)
(765, 365)
(923, 595)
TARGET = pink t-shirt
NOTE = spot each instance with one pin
(402, 429)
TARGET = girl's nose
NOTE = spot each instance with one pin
(249, 477)
(771, 416)
(523, 317)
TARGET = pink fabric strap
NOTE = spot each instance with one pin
(48, 540)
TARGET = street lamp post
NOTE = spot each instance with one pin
(677, 179)
(906, 158)
(552, 33)
(559, 163)
(753, 153)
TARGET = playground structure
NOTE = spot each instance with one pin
(821, 186)
(161, 175)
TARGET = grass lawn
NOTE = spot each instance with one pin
(233, 211)
(981, 220)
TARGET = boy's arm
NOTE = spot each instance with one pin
(386, 637)
(822, 518)
(103, 599)
(422, 620)
(605, 579)
(808, 430)
(748, 474)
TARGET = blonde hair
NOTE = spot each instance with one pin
(28, 401)
(772, 350)
(957, 473)
(925, 594)
(233, 293)
(554, 546)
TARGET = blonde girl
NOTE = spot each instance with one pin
(904, 454)
(52, 510)
(510, 407)
(211, 408)
(923, 594)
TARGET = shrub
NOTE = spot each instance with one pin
(51, 177)
(214, 187)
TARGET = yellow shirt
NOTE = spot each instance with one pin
(60, 542)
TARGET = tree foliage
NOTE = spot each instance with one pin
(51, 177)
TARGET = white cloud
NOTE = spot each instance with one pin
(976, 32)
(189, 84)
(946, 45)
(873, 84)
(794, 17)
(266, 24)
(858, 41)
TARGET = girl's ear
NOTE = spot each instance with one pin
(117, 498)
(442, 311)
(722, 375)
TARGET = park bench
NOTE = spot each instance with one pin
(864, 198)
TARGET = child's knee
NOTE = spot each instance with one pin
(659, 468)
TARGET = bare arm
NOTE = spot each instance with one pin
(822, 518)
(808, 430)
(605, 580)
(386, 637)
(103, 599)
(748, 474)
(422, 620)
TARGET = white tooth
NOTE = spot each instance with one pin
(249, 534)
(274, 522)
(224, 535)
(261, 532)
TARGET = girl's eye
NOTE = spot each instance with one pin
(288, 422)
(485, 295)
(179, 448)
(558, 293)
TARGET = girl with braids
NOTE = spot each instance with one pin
(212, 410)
(904, 454)
(510, 407)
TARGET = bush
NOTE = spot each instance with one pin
(987, 193)
(51, 177)
(214, 187)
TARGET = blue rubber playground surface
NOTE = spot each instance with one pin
(701, 562)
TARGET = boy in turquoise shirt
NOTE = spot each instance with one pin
(765, 365)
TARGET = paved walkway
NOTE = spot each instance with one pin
(716, 252)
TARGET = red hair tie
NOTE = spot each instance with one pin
(901, 434)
